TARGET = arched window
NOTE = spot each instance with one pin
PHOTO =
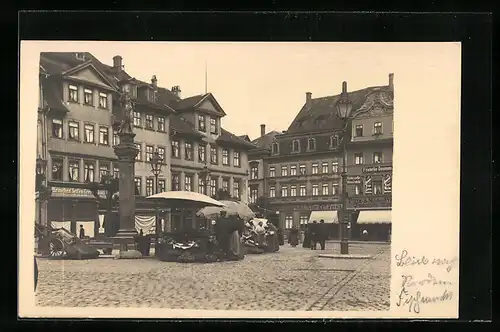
(311, 145)
(275, 148)
(295, 146)
(334, 141)
(377, 128)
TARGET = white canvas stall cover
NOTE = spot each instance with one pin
(88, 226)
(101, 223)
(330, 217)
(61, 224)
(257, 220)
(375, 217)
(146, 223)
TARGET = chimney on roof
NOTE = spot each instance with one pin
(262, 129)
(308, 97)
(117, 63)
(391, 81)
(176, 90)
(154, 81)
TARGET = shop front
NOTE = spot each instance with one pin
(374, 218)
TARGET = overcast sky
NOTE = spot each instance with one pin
(265, 83)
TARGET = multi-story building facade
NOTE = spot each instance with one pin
(302, 167)
(78, 108)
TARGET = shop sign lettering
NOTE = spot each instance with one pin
(353, 179)
(74, 192)
(377, 169)
(369, 201)
(317, 207)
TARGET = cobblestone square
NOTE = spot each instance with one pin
(292, 279)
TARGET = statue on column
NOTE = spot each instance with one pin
(127, 113)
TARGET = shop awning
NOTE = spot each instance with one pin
(327, 216)
(375, 217)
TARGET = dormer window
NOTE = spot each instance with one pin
(275, 148)
(80, 56)
(201, 123)
(311, 144)
(213, 126)
(334, 141)
(296, 146)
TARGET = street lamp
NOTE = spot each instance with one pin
(344, 108)
(205, 174)
(156, 163)
(42, 190)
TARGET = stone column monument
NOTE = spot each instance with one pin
(126, 153)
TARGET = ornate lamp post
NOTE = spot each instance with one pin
(344, 108)
(43, 191)
(156, 163)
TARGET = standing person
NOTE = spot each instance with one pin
(82, 232)
(294, 237)
(314, 235)
(261, 231)
(323, 233)
(307, 237)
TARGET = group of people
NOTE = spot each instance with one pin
(315, 233)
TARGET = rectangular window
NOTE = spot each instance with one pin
(254, 193)
(302, 190)
(359, 130)
(103, 169)
(202, 153)
(225, 185)
(293, 190)
(188, 183)
(89, 171)
(213, 155)
(137, 119)
(324, 189)
(288, 222)
(176, 182)
(201, 186)
(324, 168)
(335, 189)
(149, 121)
(116, 172)
(161, 123)
(116, 139)
(213, 126)
(57, 128)
(188, 151)
(149, 186)
(149, 152)
(302, 169)
(175, 149)
(314, 168)
(303, 219)
(272, 191)
(213, 187)
(57, 170)
(225, 157)
(335, 166)
(293, 170)
(284, 171)
(254, 173)
(161, 186)
(272, 172)
(138, 146)
(315, 190)
(358, 158)
(284, 191)
(377, 128)
(104, 135)
(73, 93)
(88, 97)
(201, 123)
(74, 131)
(89, 133)
(377, 157)
(377, 187)
(236, 189)
(236, 159)
(138, 186)
(74, 170)
(161, 153)
(103, 100)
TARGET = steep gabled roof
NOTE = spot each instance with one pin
(189, 102)
(264, 142)
(228, 137)
(245, 138)
(181, 125)
(321, 113)
(52, 96)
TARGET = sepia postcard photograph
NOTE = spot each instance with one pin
(231, 180)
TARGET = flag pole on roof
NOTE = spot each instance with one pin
(206, 76)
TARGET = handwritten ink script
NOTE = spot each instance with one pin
(414, 292)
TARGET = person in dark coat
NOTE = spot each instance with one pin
(307, 237)
(293, 240)
(323, 233)
(82, 232)
(281, 237)
(314, 235)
